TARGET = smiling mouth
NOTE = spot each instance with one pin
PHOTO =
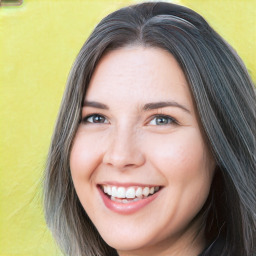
(127, 195)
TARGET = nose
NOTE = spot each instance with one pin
(123, 150)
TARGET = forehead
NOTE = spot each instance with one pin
(142, 73)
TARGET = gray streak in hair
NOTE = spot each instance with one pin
(226, 103)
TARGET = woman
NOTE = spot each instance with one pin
(154, 148)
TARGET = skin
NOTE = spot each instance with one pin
(130, 145)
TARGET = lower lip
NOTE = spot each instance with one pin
(127, 208)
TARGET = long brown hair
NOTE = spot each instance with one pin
(225, 101)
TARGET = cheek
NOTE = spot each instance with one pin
(85, 155)
(185, 152)
(188, 170)
(183, 159)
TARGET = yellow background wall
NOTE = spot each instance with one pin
(39, 41)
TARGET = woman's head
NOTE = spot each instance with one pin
(139, 131)
(207, 79)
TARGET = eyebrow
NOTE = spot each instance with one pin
(163, 104)
(95, 104)
(146, 107)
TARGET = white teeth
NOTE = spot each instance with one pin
(109, 190)
(120, 193)
(145, 191)
(139, 192)
(130, 193)
(124, 201)
(114, 191)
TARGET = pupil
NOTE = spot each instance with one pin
(161, 120)
(98, 119)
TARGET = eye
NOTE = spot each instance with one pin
(95, 119)
(162, 120)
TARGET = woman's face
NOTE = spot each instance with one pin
(139, 163)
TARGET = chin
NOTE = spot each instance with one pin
(127, 242)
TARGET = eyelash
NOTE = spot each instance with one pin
(85, 119)
(170, 120)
